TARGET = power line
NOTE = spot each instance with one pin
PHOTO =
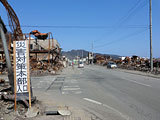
(125, 27)
(131, 27)
(121, 39)
(137, 6)
(129, 11)
(81, 27)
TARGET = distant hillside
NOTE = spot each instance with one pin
(112, 56)
(73, 53)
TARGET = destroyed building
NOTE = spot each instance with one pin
(45, 54)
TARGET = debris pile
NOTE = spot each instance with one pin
(99, 59)
(40, 66)
(131, 63)
(140, 64)
(45, 67)
(7, 104)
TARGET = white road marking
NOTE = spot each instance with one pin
(75, 86)
(65, 93)
(71, 81)
(71, 89)
(139, 83)
(107, 106)
(93, 101)
(41, 81)
(78, 92)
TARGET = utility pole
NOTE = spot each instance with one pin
(92, 51)
(82, 54)
(77, 53)
(150, 27)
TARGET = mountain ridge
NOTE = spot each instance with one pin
(80, 52)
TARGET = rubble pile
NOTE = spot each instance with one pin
(7, 110)
(140, 64)
(7, 106)
(102, 59)
(99, 59)
(2, 66)
(43, 66)
(40, 66)
(130, 63)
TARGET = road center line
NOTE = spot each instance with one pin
(93, 101)
(139, 83)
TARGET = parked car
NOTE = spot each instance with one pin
(80, 64)
(111, 65)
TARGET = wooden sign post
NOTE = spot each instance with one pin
(21, 69)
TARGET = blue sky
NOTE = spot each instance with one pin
(125, 23)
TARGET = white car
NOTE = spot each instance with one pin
(80, 65)
(111, 65)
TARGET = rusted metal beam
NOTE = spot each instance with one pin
(13, 21)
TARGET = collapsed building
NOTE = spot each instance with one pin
(45, 52)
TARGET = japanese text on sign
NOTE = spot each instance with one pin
(21, 67)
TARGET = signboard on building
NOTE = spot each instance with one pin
(90, 56)
(21, 68)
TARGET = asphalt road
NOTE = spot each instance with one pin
(104, 94)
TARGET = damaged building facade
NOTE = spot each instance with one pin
(45, 53)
